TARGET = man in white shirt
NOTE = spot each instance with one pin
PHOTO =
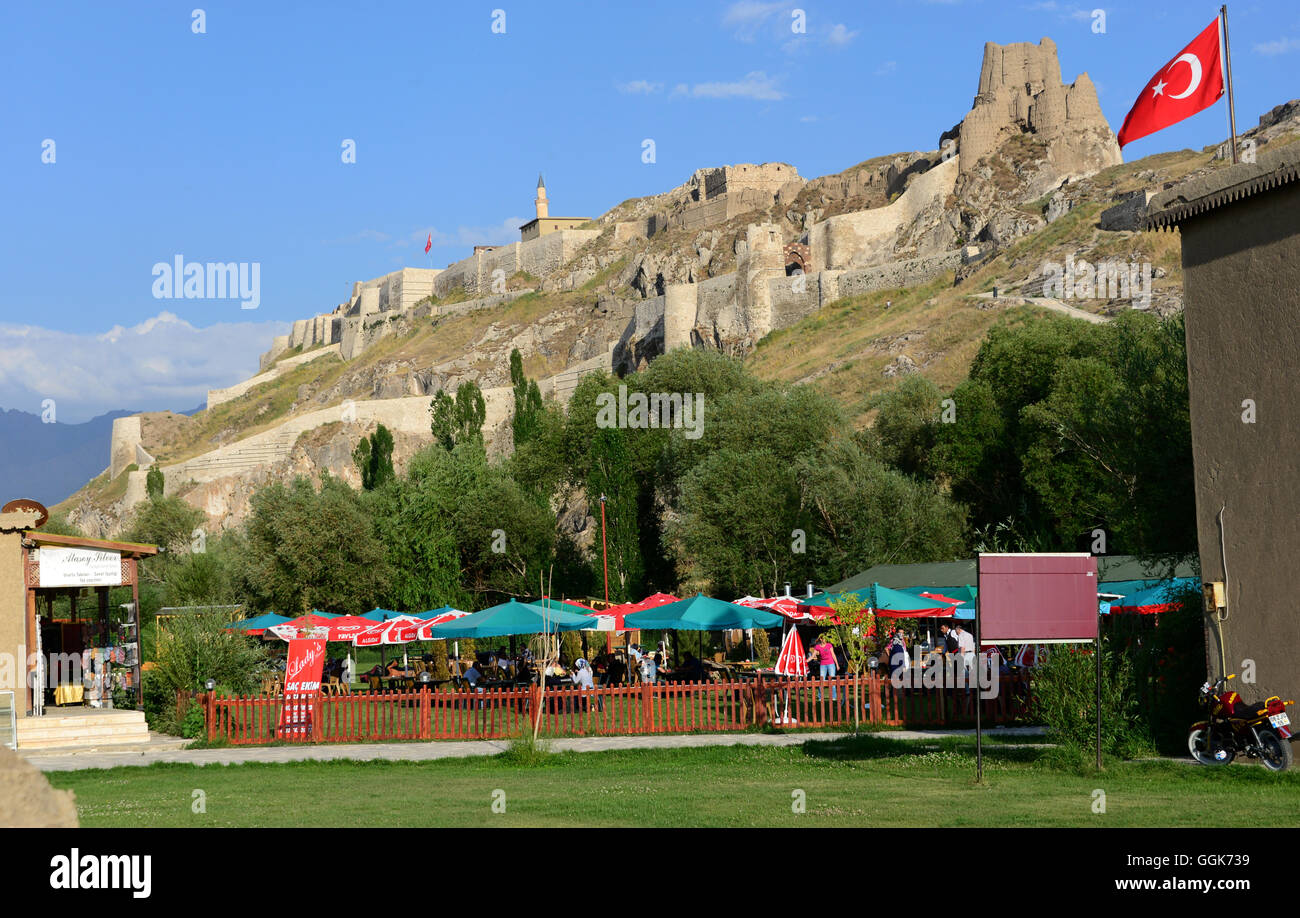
(966, 650)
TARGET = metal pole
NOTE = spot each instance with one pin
(1097, 649)
(979, 726)
(604, 551)
(1227, 63)
(604, 554)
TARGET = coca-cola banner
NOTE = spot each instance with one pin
(302, 675)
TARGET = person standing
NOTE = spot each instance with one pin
(823, 652)
(966, 652)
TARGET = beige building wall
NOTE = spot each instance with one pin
(13, 619)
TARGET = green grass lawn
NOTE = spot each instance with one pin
(864, 781)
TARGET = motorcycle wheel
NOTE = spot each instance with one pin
(1274, 751)
(1196, 744)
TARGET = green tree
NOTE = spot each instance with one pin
(168, 522)
(528, 401)
(458, 419)
(153, 482)
(610, 476)
(862, 512)
(373, 457)
(312, 549)
(737, 518)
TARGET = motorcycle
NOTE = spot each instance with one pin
(1236, 727)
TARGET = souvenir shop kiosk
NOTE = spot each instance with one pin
(63, 644)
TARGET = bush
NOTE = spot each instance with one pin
(1065, 697)
(159, 705)
(762, 649)
(194, 724)
(1168, 657)
(195, 648)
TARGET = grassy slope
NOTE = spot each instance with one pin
(855, 782)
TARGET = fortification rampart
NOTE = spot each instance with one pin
(218, 396)
(480, 273)
(860, 238)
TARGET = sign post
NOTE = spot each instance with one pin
(1046, 598)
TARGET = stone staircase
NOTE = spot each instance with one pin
(84, 728)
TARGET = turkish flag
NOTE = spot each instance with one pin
(428, 244)
(1191, 82)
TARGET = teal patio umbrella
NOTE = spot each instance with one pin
(258, 623)
(887, 602)
(513, 617)
(702, 613)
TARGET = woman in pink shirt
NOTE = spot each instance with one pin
(824, 653)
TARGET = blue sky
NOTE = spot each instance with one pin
(226, 145)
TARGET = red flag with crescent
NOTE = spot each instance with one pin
(1191, 82)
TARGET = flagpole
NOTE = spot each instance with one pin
(1227, 62)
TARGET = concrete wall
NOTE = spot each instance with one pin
(13, 616)
(1241, 271)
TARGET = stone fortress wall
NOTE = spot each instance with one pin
(539, 257)
(713, 196)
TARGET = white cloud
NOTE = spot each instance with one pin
(644, 87)
(755, 85)
(886, 68)
(1278, 46)
(163, 362)
(840, 35)
(747, 17)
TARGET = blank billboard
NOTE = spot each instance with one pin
(1037, 598)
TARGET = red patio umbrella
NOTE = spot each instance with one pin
(331, 628)
(400, 630)
(422, 633)
(792, 661)
(611, 619)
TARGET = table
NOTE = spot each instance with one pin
(69, 694)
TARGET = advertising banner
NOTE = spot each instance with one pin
(302, 676)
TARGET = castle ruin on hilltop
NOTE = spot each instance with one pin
(943, 209)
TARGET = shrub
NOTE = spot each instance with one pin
(1065, 697)
(1168, 657)
(195, 648)
(762, 649)
(159, 705)
(192, 727)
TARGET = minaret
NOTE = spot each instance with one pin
(540, 200)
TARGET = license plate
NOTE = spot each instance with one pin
(1279, 720)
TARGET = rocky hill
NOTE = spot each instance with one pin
(846, 282)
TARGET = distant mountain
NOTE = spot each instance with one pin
(47, 462)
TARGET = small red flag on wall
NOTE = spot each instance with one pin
(1191, 82)
(428, 244)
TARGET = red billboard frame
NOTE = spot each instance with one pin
(1041, 598)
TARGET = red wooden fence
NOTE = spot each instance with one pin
(676, 707)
